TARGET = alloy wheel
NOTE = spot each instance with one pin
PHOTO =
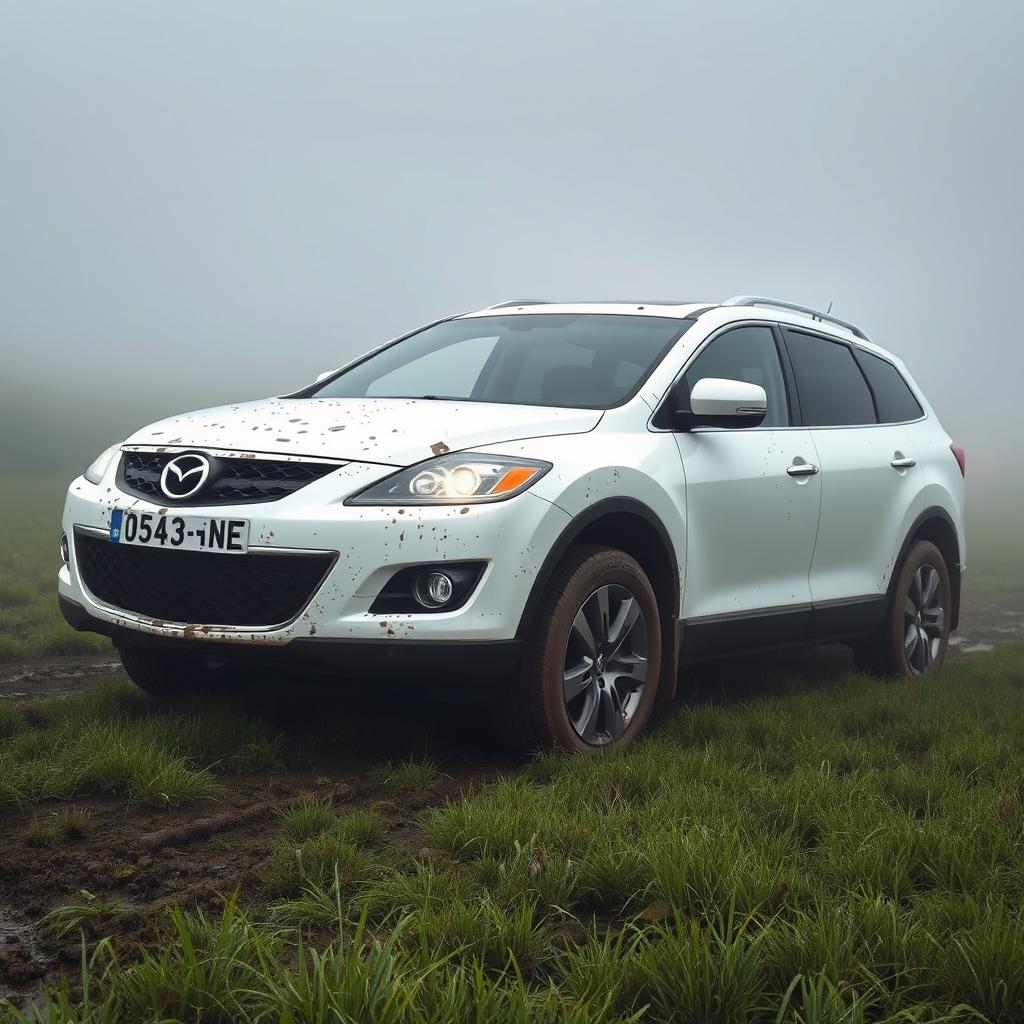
(924, 619)
(605, 665)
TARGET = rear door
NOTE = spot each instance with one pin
(869, 474)
(752, 497)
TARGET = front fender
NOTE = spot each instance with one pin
(643, 469)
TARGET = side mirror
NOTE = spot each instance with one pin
(718, 402)
(325, 375)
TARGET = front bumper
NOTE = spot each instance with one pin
(369, 545)
(412, 661)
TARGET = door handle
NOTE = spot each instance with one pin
(802, 469)
(899, 461)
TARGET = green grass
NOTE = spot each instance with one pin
(11, 722)
(42, 833)
(31, 625)
(111, 738)
(317, 862)
(85, 915)
(406, 776)
(361, 828)
(314, 816)
(74, 822)
(836, 849)
(307, 819)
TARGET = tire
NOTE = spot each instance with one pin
(914, 636)
(598, 637)
(169, 675)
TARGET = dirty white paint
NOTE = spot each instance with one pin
(390, 431)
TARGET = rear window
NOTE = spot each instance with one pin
(832, 389)
(585, 361)
(896, 402)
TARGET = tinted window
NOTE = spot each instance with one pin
(746, 353)
(832, 389)
(573, 361)
(896, 402)
(534, 376)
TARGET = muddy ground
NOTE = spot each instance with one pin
(122, 860)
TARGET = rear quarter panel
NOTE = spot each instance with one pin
(944, 484)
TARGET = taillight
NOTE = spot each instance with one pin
(960, 456)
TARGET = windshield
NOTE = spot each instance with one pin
(581, 361)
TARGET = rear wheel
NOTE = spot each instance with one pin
(589, 676)
(914, 637)
(167, 675)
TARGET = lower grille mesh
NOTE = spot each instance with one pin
(206, 588)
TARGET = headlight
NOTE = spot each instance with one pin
(455, 479)
(94, 474)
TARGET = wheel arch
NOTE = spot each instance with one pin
(631, 526)
(935, 524)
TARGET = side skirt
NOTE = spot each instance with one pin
(765, 629)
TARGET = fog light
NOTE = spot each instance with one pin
(65, 554)
(434, 589)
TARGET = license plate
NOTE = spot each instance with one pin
(182, 533)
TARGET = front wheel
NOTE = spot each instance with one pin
(914, 637)
(589, 675)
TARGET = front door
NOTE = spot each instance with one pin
(752, 506)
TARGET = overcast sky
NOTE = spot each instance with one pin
(201, 202)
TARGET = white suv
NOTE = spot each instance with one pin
(556, 502)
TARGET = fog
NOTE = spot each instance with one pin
(207, 202)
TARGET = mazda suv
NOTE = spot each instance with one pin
(558, 504)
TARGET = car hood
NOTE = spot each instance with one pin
(388, 431)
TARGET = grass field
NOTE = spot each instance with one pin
(833, 849)
(112, 739)
(30, 624)
(808, 845)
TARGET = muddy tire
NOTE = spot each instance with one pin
(169, 675)
(914, 636)
(589, 674)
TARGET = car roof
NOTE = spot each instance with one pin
(741, 308)
(641, 307)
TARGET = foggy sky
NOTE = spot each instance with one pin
(202, 202)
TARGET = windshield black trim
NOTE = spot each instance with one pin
(685, 323)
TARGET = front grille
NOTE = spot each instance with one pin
(232, 480)
(198, 586)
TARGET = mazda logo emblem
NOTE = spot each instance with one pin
(184, 476)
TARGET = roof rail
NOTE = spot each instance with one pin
(814, 314)
(594, 302)
(520, 302)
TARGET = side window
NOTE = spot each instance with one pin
(832, 389)
(896, 402)
(746, 353)
(452, 370)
